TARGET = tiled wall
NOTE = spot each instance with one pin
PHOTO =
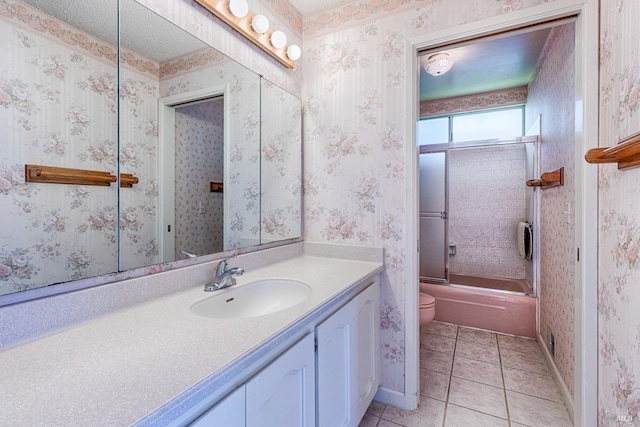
(486, 202)
(552, 95)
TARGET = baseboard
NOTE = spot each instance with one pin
(568, 400)
(396, 398)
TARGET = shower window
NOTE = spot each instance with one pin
(474, 126)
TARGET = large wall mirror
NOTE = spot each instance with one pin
(211, 150)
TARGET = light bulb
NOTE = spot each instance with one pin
(239, 8)
(278, 39)
(260, 24)
(294, 52)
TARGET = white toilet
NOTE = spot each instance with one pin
(427, 308)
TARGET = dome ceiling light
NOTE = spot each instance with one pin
(438, 64)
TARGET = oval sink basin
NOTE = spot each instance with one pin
(255, 298)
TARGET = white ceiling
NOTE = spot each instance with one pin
(142, 30)
(307, 7)
(484, 66)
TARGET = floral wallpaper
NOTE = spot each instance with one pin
(281, 146)
(552, 94)
(139, 156)
(57, 107)
(619, 220)
(242, 179)
(354, 131)
(486, 202)
(199, 161)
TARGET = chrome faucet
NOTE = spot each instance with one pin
(224, 278)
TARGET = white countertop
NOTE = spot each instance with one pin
(117, 369)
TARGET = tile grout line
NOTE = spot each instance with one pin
(453, 360)
(504, 383)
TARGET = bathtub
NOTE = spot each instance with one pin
(505, 312)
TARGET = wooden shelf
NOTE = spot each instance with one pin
(55, 175)
(626, 153)
(548, 179)
(127, 180)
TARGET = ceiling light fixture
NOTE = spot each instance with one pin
(438, 64)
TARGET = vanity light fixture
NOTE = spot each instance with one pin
(438, 64)
(239, 8)
(260, 24)
(278, 39)
(255, 28)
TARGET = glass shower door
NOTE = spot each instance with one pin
(434, 255)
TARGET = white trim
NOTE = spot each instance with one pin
(412, 326)
(586, 217)
(391, 397)
(564, 390)
(586, 137)
(166, 161)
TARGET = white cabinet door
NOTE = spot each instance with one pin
(335, 336)
(348, 361)
(367, 350)
(228, 413)
(283, 394)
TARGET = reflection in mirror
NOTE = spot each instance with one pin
(58, 93)
(206, 132)
(281, 151)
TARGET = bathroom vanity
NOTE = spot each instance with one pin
(158, 363)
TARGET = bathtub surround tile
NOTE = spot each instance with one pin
(477, 336)
(474, 370)
(534, 412)
(430, 413)
(435, 360)
(434, 384)
(479, 397)
(532, 361)
(533, 384)
(457, 416)
(438, 343)
(518, 343)
(440, 328)
(472, 350)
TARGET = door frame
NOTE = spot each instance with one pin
(584, 404)
(166, 160)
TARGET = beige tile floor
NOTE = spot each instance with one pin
(474, 378)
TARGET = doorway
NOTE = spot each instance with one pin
(586, 12)
(192, 132)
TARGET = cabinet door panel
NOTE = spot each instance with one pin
(367, 377)
(335, 369)
(229, 412)
(283, 394)
(348, 361)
